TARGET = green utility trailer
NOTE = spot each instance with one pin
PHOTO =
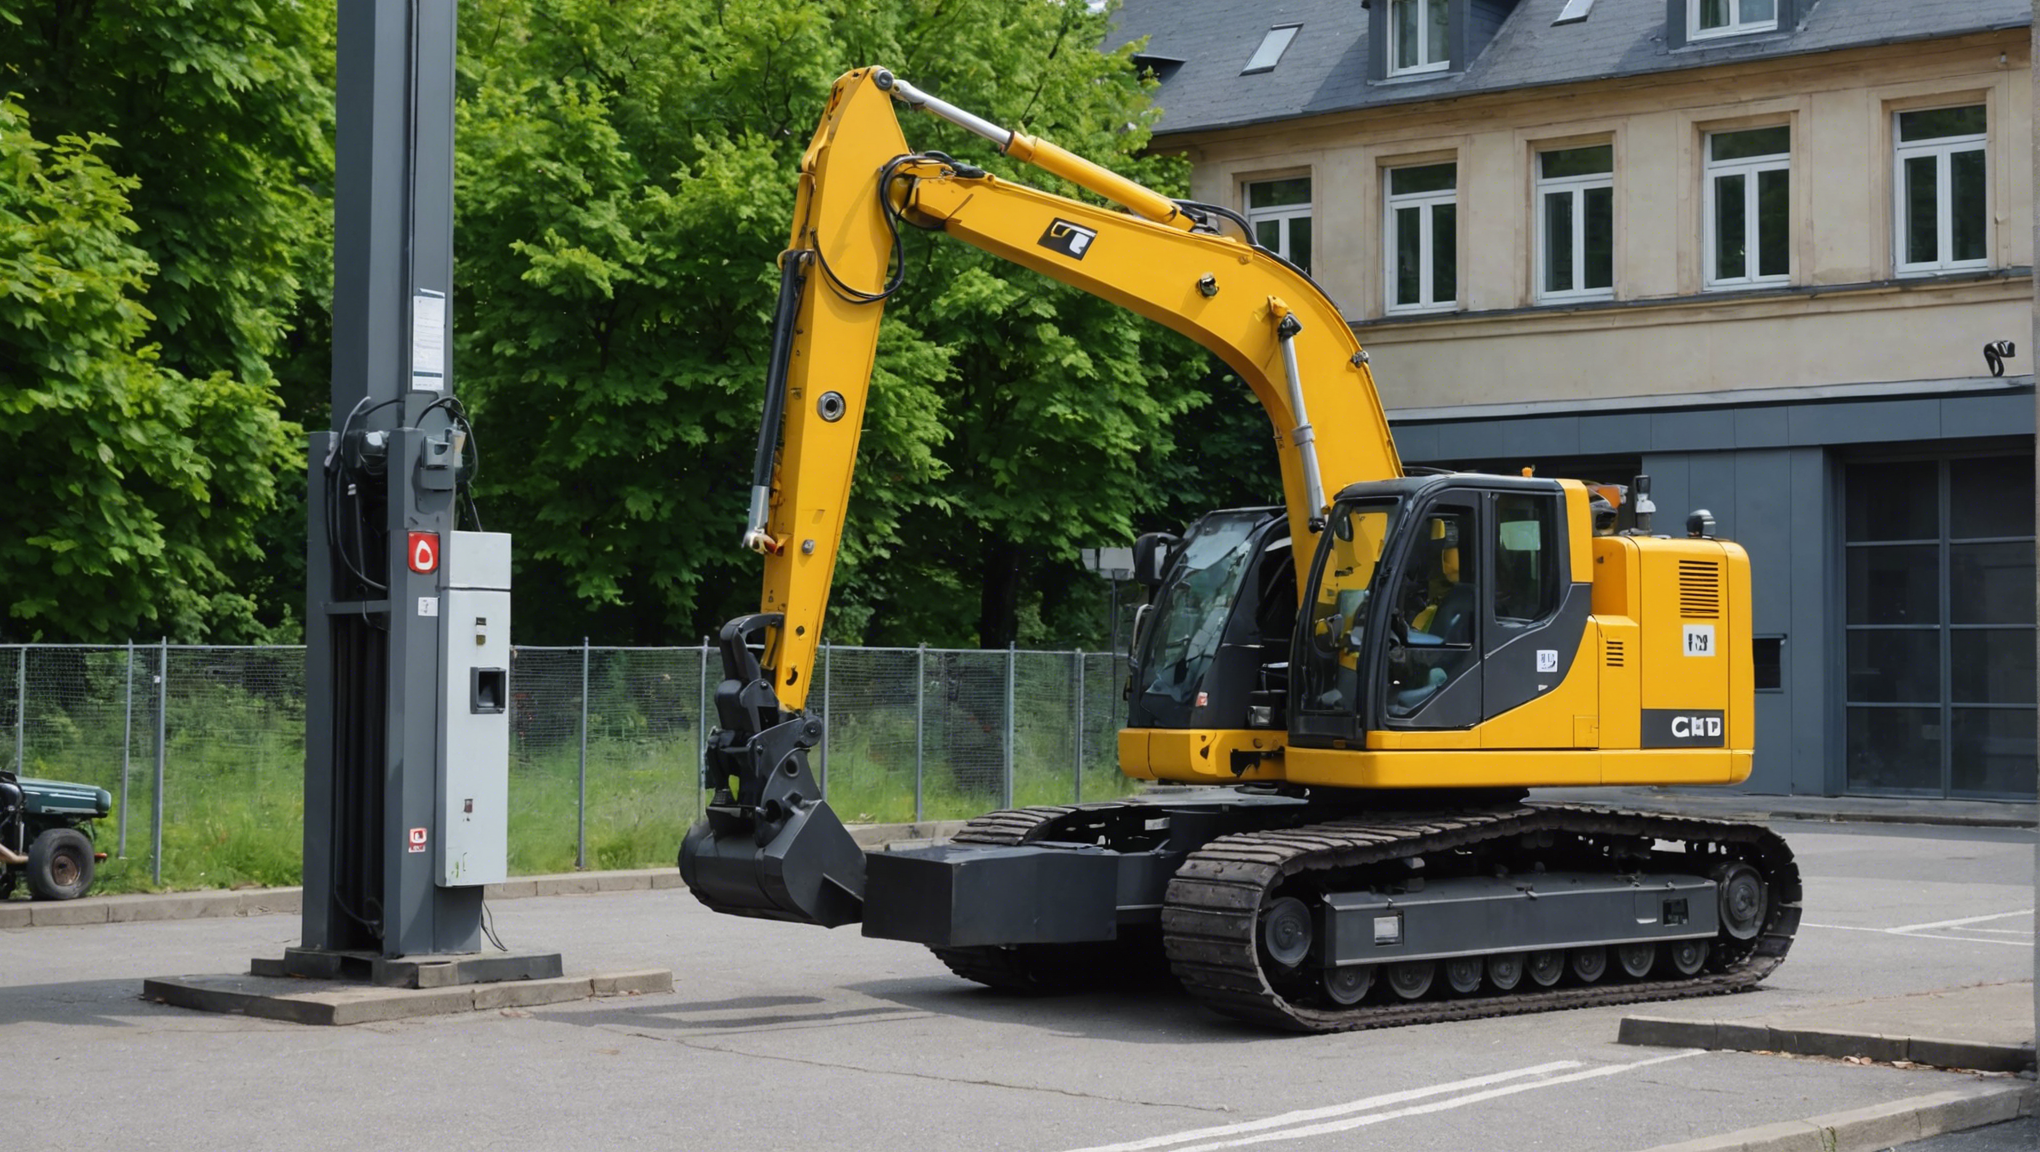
(51, 824)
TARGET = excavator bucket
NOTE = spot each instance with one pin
(807, 869)
(768, 846)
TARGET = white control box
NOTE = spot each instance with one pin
(474, 777)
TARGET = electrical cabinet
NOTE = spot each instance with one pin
(474, 777)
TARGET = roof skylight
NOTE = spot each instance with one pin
(1574, 11)
(1272, 46)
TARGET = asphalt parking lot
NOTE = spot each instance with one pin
(781, 1037)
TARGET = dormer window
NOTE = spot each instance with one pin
(1709, 18)
(1419, 36)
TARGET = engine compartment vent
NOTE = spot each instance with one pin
(1700, 589)
(1616, 652)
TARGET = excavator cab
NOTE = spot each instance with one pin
(1435, 603)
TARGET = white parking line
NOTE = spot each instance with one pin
(1921, 931)
(1964, 920)
(1298, 1126)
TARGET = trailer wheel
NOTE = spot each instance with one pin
(60, 865)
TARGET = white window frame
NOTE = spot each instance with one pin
(1736, 26)
(1747, 168)
(1425, 203)
(1577, 187)
(1426, 51)
(1941, 148)
(1281, 215)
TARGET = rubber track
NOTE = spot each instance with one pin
(1209, 920)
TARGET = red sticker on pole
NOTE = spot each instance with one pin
(424, 552)
(417, 839)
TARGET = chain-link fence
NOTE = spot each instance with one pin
(203, 747)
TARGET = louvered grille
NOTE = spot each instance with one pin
(1615, 653)
(1700, 589)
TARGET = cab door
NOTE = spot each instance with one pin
(1431, 652)
(1534, 616)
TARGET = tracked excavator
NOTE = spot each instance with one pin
(1343, 703)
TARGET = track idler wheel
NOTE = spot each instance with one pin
(1286, 931)
(1743, 900)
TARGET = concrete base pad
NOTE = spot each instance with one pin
(436, 971)
(357, 1002)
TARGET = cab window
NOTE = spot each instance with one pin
(1436, 612)
(1526, 557)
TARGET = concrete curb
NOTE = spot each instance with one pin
(1879, 1126)
(288, 901)
(1756, 1036)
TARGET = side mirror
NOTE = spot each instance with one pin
(1151, 556)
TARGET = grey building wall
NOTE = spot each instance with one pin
(1770, 474)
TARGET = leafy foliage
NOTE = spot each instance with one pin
(626, 176)
(127, 482)
(188, 191)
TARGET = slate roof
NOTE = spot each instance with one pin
(1325, 68)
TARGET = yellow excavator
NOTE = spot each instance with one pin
(1343, 701)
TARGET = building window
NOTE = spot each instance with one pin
(1942, 205)
(1938, 562)
(1705, 18)
(1273, 45)
(1748, 207)
(1422, 237)
(1279, 213)
(1576, 224)
(1418, 36)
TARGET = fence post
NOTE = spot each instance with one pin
(127, 742)
(701, 733)
(581, 801)
(162, 732)
(828, 667)
(20, 708)
(920, 716)
(1080, 728)
(1012, 655)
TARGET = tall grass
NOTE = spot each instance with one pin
(233, 793)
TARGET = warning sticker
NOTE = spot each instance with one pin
(417, 839)
(428, 605)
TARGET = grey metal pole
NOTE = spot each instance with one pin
(581, 800)
(20, 708)
(127, 743)
(162, 733)
(920, 717)
(828, 667)
(701, 733)
(1012, 655)
(1079, 773)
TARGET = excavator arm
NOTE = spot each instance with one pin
(769, 846)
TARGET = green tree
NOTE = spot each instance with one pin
(128, 484)
(222, 112)
(626, 178)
